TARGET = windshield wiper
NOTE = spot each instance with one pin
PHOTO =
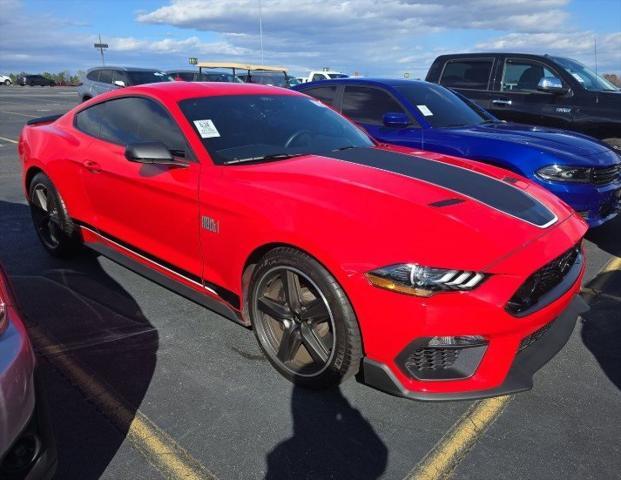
(348, 147)
(262, 158)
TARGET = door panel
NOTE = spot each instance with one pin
(519, 99)
(153, 208)
(472, 77)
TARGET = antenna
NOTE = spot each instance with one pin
(261, 30)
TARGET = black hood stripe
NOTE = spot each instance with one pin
(490, 191)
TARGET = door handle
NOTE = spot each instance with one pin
(501, 102)
(92, 167)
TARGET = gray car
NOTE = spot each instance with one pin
(100, 80)
(27, 449)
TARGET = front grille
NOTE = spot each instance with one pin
(542, 281)
(604, 176)
(533, 337)
(433, 359)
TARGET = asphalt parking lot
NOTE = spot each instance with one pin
(143, 383)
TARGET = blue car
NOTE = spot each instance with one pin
(581, 170)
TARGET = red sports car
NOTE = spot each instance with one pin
(431, 277)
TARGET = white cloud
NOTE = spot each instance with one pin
(577, 45)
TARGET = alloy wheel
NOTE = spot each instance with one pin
(46, 216)
(294, 321)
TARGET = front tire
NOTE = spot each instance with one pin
(303, 320)
(57, 232)
(7, 82)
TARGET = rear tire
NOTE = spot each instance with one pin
(303, 320)
(57, 232)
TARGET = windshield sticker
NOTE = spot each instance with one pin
(425, 110)
(206, 128)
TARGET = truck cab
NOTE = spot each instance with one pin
(535, 89)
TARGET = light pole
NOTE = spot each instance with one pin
(261, 30)
(101, 47)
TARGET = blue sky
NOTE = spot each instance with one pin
(387, 37)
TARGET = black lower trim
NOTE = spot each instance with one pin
(228, 296)
(519, 378)
(177, 287)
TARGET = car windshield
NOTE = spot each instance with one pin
(237, 128)
(588, 79)
(440, 107)
(139, 77)
(219, 77)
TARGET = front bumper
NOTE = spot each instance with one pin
(519, 378)
(596, 204)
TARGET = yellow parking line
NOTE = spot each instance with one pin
(159, 448)
(8, 139)
(456, 442)
(598, 284)
(21, 114)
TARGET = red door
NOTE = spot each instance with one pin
(149, 209)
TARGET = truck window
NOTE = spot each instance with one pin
(472, 74)
(523, 75)
(317, 77)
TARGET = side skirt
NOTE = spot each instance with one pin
(202, 299)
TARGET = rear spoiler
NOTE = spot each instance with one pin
(47, 119)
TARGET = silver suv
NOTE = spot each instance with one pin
(100, 80)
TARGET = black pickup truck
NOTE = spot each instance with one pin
(537, 89)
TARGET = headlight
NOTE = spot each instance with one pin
(414, 279)
(561, 173)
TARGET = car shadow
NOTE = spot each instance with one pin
(85, 316)
(608, 236)
(331, 439)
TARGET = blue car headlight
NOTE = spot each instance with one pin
(561, 173)
(421, 281)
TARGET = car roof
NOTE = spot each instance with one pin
(177, 91)
(491, 54)
(392, 82)
(125, 69)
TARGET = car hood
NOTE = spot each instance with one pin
(411, 204)
(572, 147)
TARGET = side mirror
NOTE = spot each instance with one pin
(396, 120)
(119, 83)
(150, 152)
(551, 85)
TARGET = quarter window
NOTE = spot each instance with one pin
(523, 75)
(368, 105)
(323, 94)
(471, 74)
(105, 76)
(132, 120)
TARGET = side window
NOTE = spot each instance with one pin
(471, 74)
(368, 105)
(323, 94)
(523, 75)
(135, 120)
(317, 77)
(89, 120)
(94, 75)
(119, 75)
(105, 76)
